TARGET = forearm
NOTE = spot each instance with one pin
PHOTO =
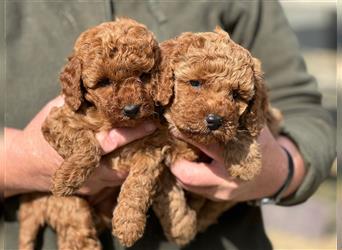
(291, 89)
(11, 157)
(19, 161)
(30, 161)
(275, 166)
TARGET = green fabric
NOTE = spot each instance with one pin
(291, 88)
(40, 35)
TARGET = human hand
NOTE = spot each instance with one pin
(213, 181)
(31, 161)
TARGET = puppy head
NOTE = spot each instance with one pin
(111, 69)
(212, 86)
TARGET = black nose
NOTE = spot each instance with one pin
(213, 121)
(131, 110)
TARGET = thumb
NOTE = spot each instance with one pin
(199, 174)
(115, 138)
(40, 117)
(213, 150)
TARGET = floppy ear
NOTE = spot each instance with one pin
(70, 79)
(163, 86)
(255, 116)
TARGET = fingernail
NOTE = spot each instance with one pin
(149, 127)
(122, 175)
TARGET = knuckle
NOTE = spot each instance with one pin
(218, 194)
(187, 177)
(188, 173)
(115, 139)
(219, 197)
(108, 141)
(85, 191)
(223, 196)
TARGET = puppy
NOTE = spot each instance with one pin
(106, 83)
(71, 217)
(105, 86)
(213, 93)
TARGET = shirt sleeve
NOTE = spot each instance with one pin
(261, 27)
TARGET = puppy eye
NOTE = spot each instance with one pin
(144, 77)
(103, 82)
(195, 83)
(235, 94)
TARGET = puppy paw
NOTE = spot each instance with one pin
(65, 183)
(62, 190)
(185, 230)
(91, 244)
(128, 226)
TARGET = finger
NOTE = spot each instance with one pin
(106, 177)
(102, 177)
(120, 136)
(94, 186)
(212, 193)
(106, 193)
(98, 197)
(90, 188)
(214, 151)
(105, 205)
(40, 117)
(56, 102)
(104, 173)
(200, 174)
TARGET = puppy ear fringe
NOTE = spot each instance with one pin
(163, 87)
(70, 79)
(255, 119)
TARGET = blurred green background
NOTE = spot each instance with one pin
(311, 225)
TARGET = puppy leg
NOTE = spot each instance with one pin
(77, 145)
(243, 161)
(82, 237)
(210, 212)
(129, 217)
(73, 221)
(32, 217)
(177, 219)
(176, 214)
(76, 169)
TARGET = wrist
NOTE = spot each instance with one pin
(289, 172)
(279, 171)
(279, 195)
(298, 164)
(274, 166)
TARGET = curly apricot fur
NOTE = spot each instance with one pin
(230, 84)
(101, 77)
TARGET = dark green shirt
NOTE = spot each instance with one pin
(41, 34)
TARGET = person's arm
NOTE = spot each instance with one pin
(308, 133)
(261, 27)
(213, 181)
(30, 161)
